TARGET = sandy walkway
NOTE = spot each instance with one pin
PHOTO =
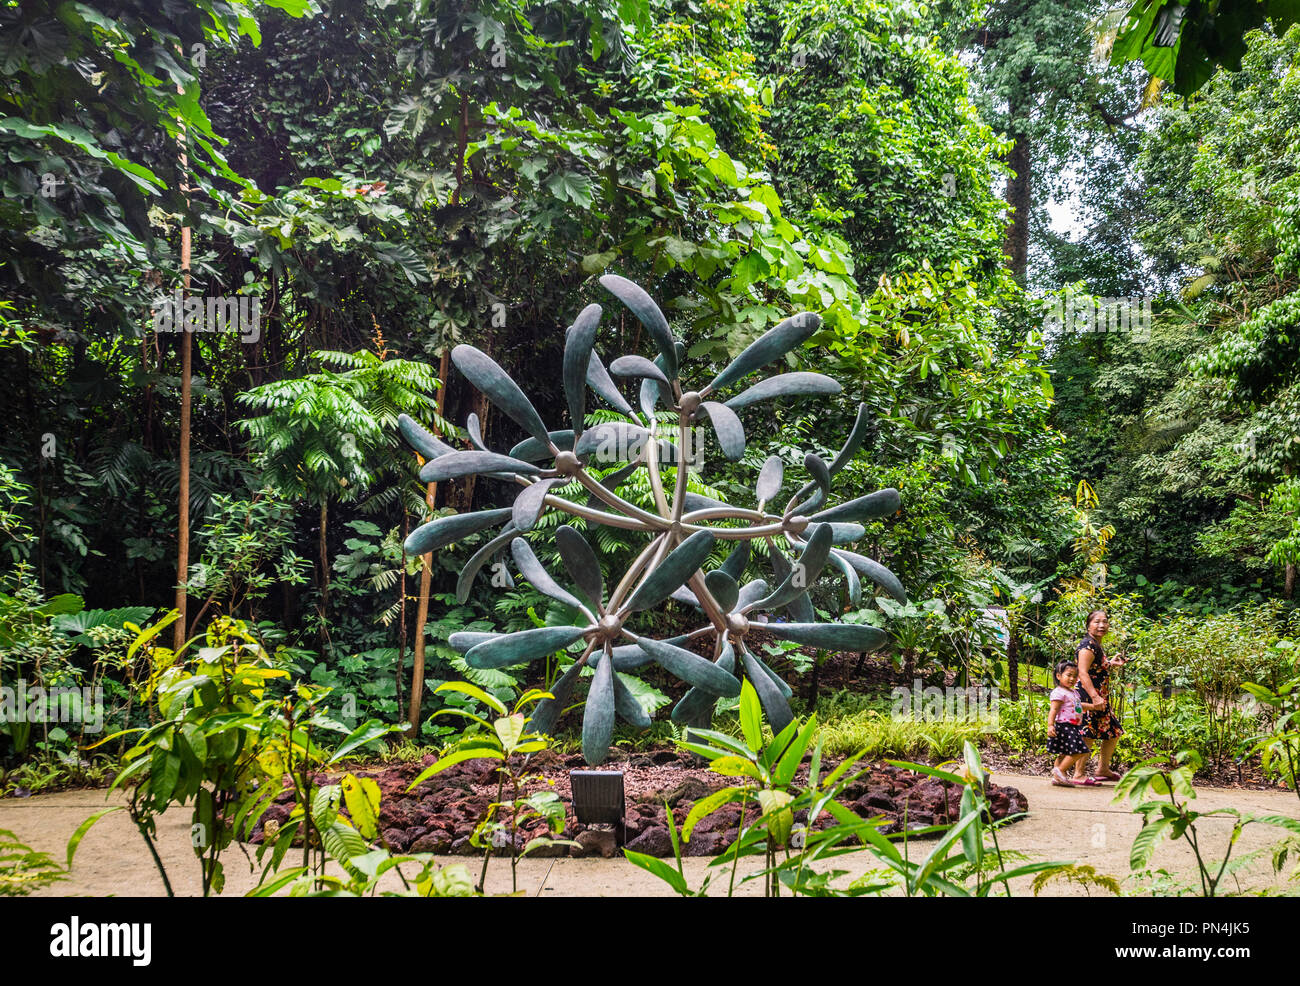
(1065, 824)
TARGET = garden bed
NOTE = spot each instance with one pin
(443, 812)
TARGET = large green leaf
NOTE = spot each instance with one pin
(774, 703)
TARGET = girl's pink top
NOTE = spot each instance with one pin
(1071, 711)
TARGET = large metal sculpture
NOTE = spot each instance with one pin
(685, 531)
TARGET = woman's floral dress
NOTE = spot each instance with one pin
(1099, 724)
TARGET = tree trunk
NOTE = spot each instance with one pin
(324, 563)
(1288, 589)
(183, 496)
(187, 367)
(1019, 193)
(426, 577)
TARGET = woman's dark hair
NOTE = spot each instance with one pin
(1063, 665)
(1088, 622)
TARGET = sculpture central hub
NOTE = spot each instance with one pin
(690, 403)
(737, 625)
(608, 628)
(797, 524)
(567, 464)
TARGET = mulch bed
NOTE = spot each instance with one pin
(440, 815)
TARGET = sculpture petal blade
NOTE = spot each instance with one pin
(679, 565)
(749, 592)
(479, 558)
(697, 501)
(531, 501)
(686, 596)
(420, 439)
(736, 562)
(475, 433)
(882, 503)
(463, 640)
(519, 648)
(854, 583)
(846, 533)
(577, 358)
(598, 718)
(817, 469)
(442, 531)
(531, 450)
(876, 572)
(727, 426)
(484, 373)
(784, 385)
(581, 563)
(637, 366)
(691, 668)
(696, 706)
(805, 572)
(547, 712)
(453, 465)
(775, 342)
(627, 707)
(769, 479)
(723, 588)
(628, 657)
(644, 308)
(854, 442)
(531, 569)
(599, 380)
(831, 636)
(786, 690)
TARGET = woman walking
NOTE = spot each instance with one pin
(1100, 725)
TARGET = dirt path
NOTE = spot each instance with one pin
(1063, 824)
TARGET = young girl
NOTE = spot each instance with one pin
(1064, 732)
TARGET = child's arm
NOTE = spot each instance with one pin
(1051, 716)
(1094, 706)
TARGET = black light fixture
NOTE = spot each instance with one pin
(598, 798)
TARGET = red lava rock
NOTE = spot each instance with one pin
(654, 841)
(440, 815)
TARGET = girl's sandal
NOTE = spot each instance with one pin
(1060, 780)
(1088, 782)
